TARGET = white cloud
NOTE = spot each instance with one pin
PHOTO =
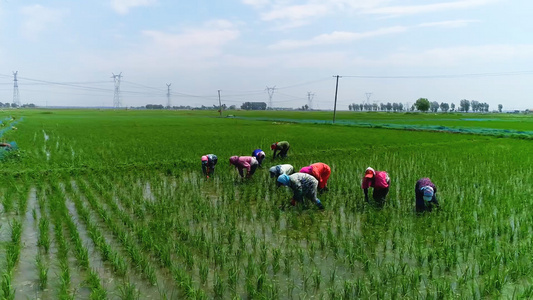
(287, 14)
(458, 56)
(401, 10)
(37, 18)
(123, 6)
(194, 40)
(296, 12)
(335, 38)
(256, 3)
(449, 24)
(196, 48)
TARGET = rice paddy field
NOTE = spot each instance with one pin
(102, 204)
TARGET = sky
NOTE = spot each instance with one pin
(282, 52)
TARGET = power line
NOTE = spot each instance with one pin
(440, 76)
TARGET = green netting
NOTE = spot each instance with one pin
(468, 130)
(5, 151)
(8, 124)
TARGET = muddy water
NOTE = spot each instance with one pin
(111, 282)
(25, 277)
(95, 260)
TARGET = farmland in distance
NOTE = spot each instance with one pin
(102, 204)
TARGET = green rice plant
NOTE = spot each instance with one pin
(42, 269)
(317, 278)
(276, 254)
(204, 272)
(260, 283)
(218, 286)
(128, 291)
(527, 293)
(97, 291)
(8, 292)
(233, 276)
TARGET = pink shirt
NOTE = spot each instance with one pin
(381, 181)
(243, 162)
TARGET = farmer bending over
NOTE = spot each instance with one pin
(244, 162)
(303, 186)
(275, 171)
(380, 181)
(282, 147)
(259, 155)
(321, 172)
(425, 193)
(208, 164)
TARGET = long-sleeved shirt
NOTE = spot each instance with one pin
(282, 145)
(381, 181)
(422, 182)
(258, 152)
(303, 184)
(320, 171)
(243, 162)
(281, 169)
(211, 159)
(419, 194)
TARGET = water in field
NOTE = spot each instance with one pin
(130, 222)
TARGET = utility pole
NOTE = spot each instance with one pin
(219, 104)
(116, 97)
(310, 97)
(270, 91)
(168, 96)
(16, 96)
(336, 90)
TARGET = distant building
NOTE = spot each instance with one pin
(254, 106)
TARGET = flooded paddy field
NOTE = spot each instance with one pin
(113, 205)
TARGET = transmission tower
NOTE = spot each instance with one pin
(310, 97)
(16, 96)
(368, 97)
(116, 96)
(270, 91)
(168, 96)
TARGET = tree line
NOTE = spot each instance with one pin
(424, 105)
(376, 107)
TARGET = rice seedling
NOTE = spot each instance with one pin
(149, 212)
(128, 291)
(42, 269)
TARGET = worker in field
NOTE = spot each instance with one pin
(259, 155)
(209, 162)
(425, 194)
(282, 147)
(275, 171)
(321, 172)
(244, 162)
(303, 186)
(380, 181)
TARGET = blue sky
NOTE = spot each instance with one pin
(445, 50)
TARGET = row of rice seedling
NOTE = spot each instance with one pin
(226, 237)
(138, 259)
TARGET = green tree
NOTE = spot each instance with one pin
(422, 104)
(500, 107)
(465, 105)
